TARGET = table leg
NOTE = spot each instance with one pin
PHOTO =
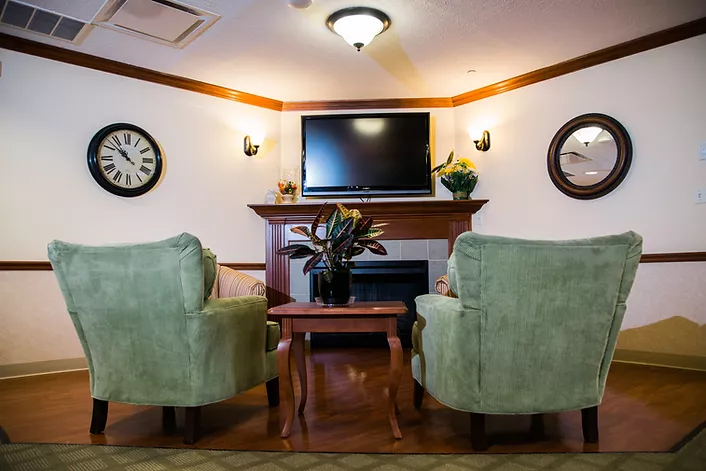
(395, 372)
(285, 376)
(300, 358)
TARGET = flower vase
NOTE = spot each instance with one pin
(287, 199)
(460, 195)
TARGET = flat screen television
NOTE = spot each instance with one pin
(382, 154)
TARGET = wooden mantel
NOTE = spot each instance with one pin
(424, 219)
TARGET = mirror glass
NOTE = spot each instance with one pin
(588, 155)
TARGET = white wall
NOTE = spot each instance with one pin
(441, 141)
(48, 113)
(660, 98)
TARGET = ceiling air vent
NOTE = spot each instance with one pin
(162, 21)
(40, 21)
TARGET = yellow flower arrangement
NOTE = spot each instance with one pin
(458, 176)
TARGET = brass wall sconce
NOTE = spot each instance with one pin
(251, 145)
(482, 144)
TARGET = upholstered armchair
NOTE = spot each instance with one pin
(533, 329)
(151, 334)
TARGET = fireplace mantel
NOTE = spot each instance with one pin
(424, 219)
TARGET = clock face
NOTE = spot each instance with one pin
(124, 160)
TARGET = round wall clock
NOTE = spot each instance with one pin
(125, 160)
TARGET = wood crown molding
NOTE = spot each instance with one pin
(24, 265)
(635, 46)
(386, 103)
(26, 46)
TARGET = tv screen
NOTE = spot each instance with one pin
(366, 155)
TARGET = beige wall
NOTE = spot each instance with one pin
(659, 97)
(48, 113)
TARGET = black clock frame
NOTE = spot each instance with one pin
(100, 178)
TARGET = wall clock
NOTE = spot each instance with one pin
(125, 160)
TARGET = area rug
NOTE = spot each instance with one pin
(40, 457)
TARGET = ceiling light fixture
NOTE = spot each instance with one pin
(358, 26)
(587, 135)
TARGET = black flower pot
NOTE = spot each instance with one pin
(335, 286)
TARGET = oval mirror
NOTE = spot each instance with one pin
(589, 156)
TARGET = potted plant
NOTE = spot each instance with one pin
(459, 177)
(287, 189)
(347, 234)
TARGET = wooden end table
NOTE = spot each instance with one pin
(299, 318)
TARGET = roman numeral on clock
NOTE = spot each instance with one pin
(137, 141)
(138, 177)
(107, 157)
(109, 168)
(118, 176)
(128, 179)
(109, 147)
(116, 140)
(146, 149)
(148, 160)
(145, 170)
(127, 137)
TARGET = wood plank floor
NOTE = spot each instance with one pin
(644, 409)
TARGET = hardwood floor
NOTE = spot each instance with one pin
(644, 409)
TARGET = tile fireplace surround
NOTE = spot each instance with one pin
(433, 250)
(416, 222)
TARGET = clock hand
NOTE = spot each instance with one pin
(123, 152)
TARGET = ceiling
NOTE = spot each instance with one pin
(267, 48)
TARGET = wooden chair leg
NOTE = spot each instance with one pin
(100, 416)
(589, 422)
(192, 429)
(168, 419)
(418, 394)
(478, 439)
(273, 392)
(537, 427)
(4, 438)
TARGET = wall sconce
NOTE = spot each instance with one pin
(482, 144)
(252, 143)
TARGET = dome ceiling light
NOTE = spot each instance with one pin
(358, 25)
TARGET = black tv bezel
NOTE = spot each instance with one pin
(358, 191)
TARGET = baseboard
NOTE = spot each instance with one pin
(670, 360)
(42, 367)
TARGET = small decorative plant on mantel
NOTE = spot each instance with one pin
(347, 234)
(459, 177)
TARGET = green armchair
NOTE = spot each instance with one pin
(151, 334)
(533, 329)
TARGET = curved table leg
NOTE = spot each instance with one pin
(285, 377)
(395, 373)
(300, 358)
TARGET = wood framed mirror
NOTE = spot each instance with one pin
(589, 156)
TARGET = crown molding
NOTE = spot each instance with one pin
(46, 51)
(635, 46)
(383, 103)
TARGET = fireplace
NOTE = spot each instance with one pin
(389, 280)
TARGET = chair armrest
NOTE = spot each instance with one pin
(446, 337)
(232, 283)
(227, 342)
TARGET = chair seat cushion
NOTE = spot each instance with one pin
(272, 335)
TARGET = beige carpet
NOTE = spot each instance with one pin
(40, 457)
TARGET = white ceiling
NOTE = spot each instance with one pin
(267, 48)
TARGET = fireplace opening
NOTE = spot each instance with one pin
(389, 280)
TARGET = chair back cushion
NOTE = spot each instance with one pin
(550, 315)
(128, 304)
